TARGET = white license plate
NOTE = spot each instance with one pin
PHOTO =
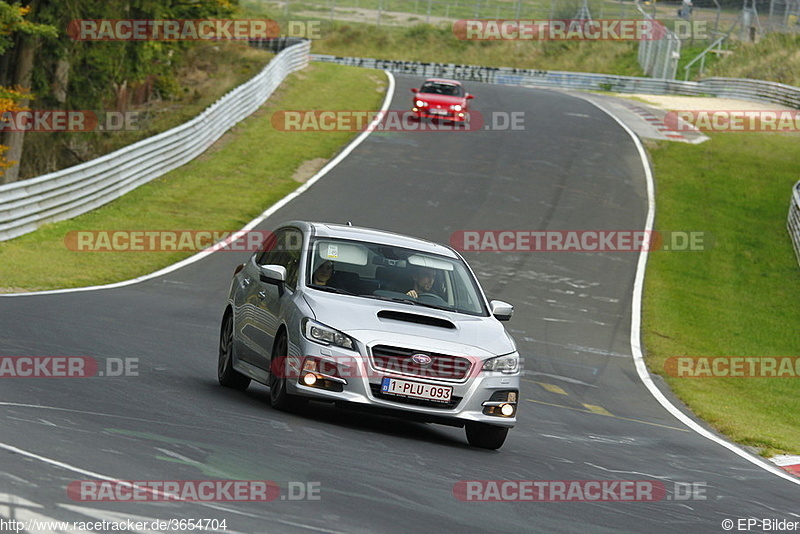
(438, 112)
(416, 390)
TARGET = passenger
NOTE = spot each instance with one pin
(423, 281)
(323, 273)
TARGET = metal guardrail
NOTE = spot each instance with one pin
(775, 93)
(61, 195)
(793, 222)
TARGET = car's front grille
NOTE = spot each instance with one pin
(400, 360)
(376, 392)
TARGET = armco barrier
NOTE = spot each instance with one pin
(61, 195)
(793, 223)
(775, 93)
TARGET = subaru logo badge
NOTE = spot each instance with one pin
(421, 359)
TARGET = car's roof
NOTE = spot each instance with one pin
(371, 235)
(443, 80)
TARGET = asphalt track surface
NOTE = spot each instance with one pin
(572, 168)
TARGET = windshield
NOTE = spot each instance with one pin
(379, 271)
(439, 88)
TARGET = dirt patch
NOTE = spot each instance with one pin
(308, 168)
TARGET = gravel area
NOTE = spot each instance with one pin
(671, 102)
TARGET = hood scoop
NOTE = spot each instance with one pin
(415, 318)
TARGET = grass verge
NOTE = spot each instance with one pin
(221, 190)
(738, 298)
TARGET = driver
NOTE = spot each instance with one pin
(423, 281)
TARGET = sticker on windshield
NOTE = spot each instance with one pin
(333, 251)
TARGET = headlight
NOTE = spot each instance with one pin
(421, 103)
(326, 335)
(505, 364)
(457, 107)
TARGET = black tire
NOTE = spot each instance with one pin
(226, 374)
(278, 396)
(486, 436)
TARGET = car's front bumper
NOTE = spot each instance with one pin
(357, 381)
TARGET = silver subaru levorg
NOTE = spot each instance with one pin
(374, 320)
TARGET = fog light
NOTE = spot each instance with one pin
(310, 379)
(501, 404)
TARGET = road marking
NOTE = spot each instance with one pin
(552, 388)
(599, 410)
(609, 415)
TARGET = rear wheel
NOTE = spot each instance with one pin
(226, 374)
(486, 436)
(278, 396)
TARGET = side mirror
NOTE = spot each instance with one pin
(272, 274)
(415, 91)
(502, 311)
(470, 97)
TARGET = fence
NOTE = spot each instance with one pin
(775, 93)
(61, 195)
(793, 222)
(409, 12)
(659, 57)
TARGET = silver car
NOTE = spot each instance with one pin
(375, 320)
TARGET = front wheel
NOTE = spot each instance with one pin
(278, 396)
(486, 436)
(226, 374)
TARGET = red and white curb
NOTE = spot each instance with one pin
(787, 463)
(694, 137)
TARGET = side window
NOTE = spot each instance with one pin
(268, 250)
(283, 248)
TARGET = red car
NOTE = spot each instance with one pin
(441, 99)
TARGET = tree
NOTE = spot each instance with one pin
(10, 103)
(18, 36)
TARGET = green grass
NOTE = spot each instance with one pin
(221, 190)
(739, 298)
(776, 57)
